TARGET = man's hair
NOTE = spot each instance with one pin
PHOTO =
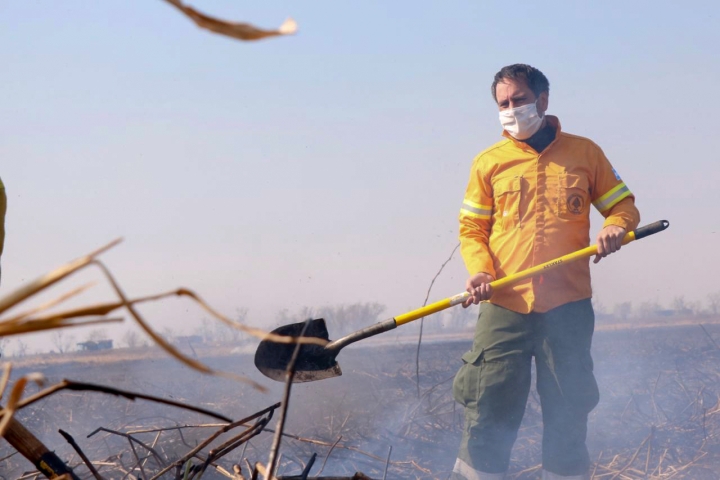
(534, 78)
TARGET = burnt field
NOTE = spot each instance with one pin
(658, 418)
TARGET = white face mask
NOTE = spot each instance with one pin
(521, 122)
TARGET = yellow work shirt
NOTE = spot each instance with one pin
(522, 208)
(3, 209)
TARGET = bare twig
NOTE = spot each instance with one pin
(422, 320)
(79, 451)
(328, 455)
(81, 386)
(238, 440)
(289, 374)
(8, 456)
(212, 437)
(387, 462)
(634, 456)
(157, 437)
(131, 439)
(138, 463)
(176, 427)
(709, 336)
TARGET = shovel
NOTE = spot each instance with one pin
(315, 362)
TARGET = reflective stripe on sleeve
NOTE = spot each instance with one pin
(612, 197)
(475, 210)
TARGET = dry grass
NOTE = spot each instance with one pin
(50, 316)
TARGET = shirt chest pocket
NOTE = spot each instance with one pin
(507, 193)
(573, 199)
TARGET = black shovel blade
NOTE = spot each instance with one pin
(313, 362)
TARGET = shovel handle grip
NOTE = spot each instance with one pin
(46, 461)
(636, 234)
(650, 229)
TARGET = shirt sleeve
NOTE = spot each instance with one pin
(612, 197)
(475, 223)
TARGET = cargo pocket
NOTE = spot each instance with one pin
(573, 200)
(466, 385)
(507, 202)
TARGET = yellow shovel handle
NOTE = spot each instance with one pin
(530, 272)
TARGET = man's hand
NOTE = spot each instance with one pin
(609, 240)
(478, 286)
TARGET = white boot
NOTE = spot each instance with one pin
(463, 470)
(554, 476)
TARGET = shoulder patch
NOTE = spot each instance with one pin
(617, 175)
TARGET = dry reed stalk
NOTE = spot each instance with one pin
(289, 374)
(46, 306)
(28, 321)
(51, 278)
(237, 30)
(7, 369)
(207, 441)
(14, 399)
(31, 321)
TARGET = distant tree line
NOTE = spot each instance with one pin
(677, 307)
(347, 318)
(344, 319)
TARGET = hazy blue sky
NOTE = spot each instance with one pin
(328, 167)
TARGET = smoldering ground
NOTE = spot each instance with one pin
(658, 417)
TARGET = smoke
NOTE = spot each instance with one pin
(658, 386)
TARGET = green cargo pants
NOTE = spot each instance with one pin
(494, 382)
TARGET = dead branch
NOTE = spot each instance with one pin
(322, 467)
(79, 451)
(215, 435)
(81, 386)
(131, 439)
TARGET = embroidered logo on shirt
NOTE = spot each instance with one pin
(575, 204)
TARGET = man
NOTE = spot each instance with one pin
(3, 209)
(526, 203)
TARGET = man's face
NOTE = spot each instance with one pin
(514, 92)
